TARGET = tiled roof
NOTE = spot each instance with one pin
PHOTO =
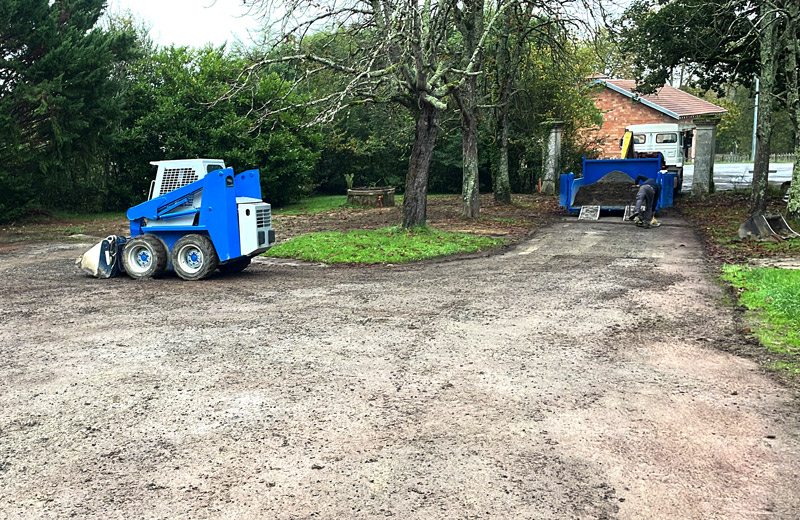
(669, 100)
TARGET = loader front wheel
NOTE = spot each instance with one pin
(144, 257)
(194, 257)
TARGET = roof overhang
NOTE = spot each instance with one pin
(638, 98)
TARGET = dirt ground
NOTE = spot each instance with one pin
(587, 372)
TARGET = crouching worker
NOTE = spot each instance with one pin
(647, 196)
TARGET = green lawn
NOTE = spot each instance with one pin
(322, 203)
(316, 204)
(388, 245)
(773, 295)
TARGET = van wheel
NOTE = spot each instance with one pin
(679, 180)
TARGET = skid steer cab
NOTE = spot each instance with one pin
(200, 217)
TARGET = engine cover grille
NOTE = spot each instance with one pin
(263, 217)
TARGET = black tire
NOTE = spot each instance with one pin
(194, 257)
(144, 257)
(235, 266)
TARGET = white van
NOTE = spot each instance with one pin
(672, 140)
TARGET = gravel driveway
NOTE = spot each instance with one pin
(584, 373)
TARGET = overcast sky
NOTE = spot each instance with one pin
(190, 22)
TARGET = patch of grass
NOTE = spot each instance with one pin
(792, 368)
(323, 203)
(317, 204)
(388, 245)
(774, 297)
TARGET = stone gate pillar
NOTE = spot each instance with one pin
(552, 159)
(704, 149)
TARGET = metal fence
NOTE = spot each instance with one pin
(745, 158)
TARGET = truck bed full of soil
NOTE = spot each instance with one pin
(614, 189)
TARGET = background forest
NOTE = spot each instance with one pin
(87, 101)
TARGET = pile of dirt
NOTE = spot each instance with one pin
(614, 189)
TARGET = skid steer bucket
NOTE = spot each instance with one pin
(767, 228)
(781, 227)
(102, 260)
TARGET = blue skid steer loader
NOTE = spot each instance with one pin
(199, 217)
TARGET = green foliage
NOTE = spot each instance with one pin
(58, 102)
(718, 44)
(388, 245)
(373, 142)
(370, 142)
(175, 113)
(735, 129)
(774, 296)
(83, 110)
(552, 88)
(713, 38)
(447, 166)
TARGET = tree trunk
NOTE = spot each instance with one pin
(793, 87)
(471, 28)
(767, 76)
(502, 184)
(470, 188)
(793, 207)
(415, 202)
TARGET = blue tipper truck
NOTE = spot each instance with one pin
(607, 183)
(199, 217)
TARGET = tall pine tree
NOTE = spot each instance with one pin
(58, 101)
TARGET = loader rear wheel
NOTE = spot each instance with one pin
(235, 266)
(144, 257)
(194, 257)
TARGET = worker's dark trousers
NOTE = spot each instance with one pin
(645, 194)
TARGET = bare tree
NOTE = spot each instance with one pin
(470, 18)
(520, 27)
(396, 51)
(518, 24)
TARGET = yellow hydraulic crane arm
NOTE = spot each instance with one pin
(627, 145)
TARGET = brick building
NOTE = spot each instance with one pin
(622, 107)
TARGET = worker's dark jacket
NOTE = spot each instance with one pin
(650, 182)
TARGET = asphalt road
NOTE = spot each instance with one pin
(738, 175)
